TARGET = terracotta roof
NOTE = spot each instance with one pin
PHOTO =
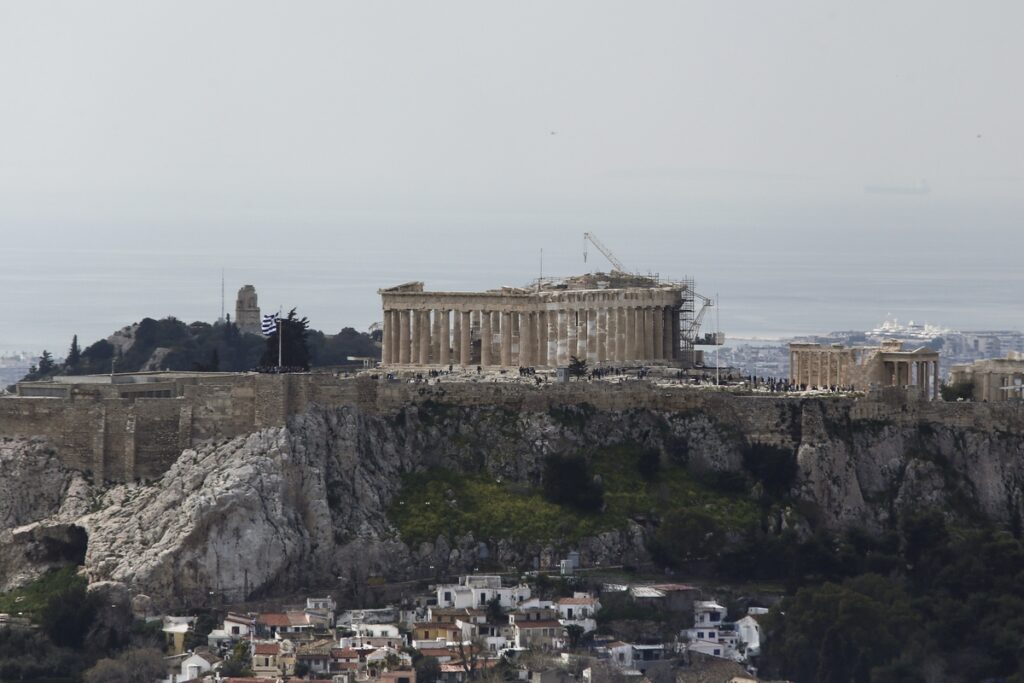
(266, 649)
(297, 618)
(435, 652)
(273, 619)
(344, 653)
(248, 680)
(539, 623)
(577, 601)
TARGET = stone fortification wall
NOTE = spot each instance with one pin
(121, 439)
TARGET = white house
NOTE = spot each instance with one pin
(579, 610)
(238, 625)
(711, 634)
(191, 667)
(477, 590)
(748, 631)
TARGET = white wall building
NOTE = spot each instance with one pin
(711, 635)
(478, 590)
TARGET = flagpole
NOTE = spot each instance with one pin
(280, 334)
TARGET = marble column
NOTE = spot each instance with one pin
(465, 339)
(613, 334)
(506, 338)
(542, 339)
(403, 336)
(495, 337)
(591, 336)
(620, 334)
(582, 334)
(659, 332)
(572, 330)
(630, 334)
(528, 340)
(935, 379)
(562, 354)
(445, 337)
(516, 346)
(638, 332)
(666, 334)
(554, 338)
(435, 336)
(396, 337)
(602, 335)
(424, 337)
(457, 337)
(485, 338)
(648, 337)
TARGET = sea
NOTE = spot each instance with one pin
(765, 286)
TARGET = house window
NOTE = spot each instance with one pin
(483, 598)
(447, 596)
(718, 652)
(234, 630)
(569, 613)
(715, 616)
(700, 634)
(622, 657)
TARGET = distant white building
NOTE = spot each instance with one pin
(478, 590)
(711, 634)
(193, 666)
(579, 610)
(748, 632)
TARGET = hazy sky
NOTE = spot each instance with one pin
(477, 133)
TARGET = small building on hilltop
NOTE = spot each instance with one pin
(247, 310)
(865, 367)
(992, 379)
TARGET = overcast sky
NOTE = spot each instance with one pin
(496, 129)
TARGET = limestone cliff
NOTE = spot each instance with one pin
(307, 503)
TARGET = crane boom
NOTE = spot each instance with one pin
(616, 263)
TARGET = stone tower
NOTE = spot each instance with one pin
(247, 312)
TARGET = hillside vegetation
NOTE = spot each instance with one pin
(171, 344)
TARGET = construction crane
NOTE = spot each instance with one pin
(690, 333)
(616, 263)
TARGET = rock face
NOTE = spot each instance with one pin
(306, 504)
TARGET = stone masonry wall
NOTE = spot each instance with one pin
(123, 439)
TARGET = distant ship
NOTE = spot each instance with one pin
(894, 330)
(919, 188)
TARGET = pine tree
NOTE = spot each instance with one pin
(45, 363)
(74, 354)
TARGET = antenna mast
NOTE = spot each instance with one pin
(222, 294)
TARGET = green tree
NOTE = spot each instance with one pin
(237, 663)
(577, 367)
(68, 615)
(840, 632)
(428, 670)
(131, 666)
(575, 634)
(568, 480)
(74, 354)
(46, 364)
(294, 351)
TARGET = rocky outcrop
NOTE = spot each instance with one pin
(306, 504)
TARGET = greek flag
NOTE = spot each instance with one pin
(269, 323)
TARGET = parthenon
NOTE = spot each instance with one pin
(615, 318)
